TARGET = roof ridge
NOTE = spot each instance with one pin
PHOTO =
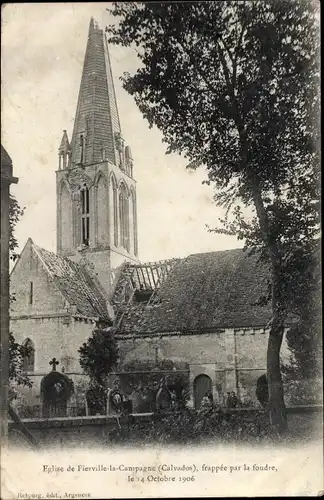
(155, 262)
(172, 259)
(216, 251)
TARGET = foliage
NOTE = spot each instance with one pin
(147, 373)
(57, 387)
(304, 338)
(99, 355)
(23, 408)
(17, 376)
(15, 212)
(96, 395)
(233, 426)
(91, 393)
(183, 426)
(234, 86)
(80, 389)
(16, 351)
(304, 341)
(304, 391)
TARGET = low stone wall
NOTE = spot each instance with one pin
(75, 432)
(89, 432)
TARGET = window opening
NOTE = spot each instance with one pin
(31, 292)
(28, 356)
(85, 216)
(82, 144)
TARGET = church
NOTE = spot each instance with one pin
(201, 310)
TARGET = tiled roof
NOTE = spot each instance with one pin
(204, 291)
(75, 284)
(97, 113)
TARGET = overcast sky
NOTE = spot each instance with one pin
(43, 47)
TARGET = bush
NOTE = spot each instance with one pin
(29, 411)
(178, 426)
(17, 375)
(96, 396)
(23, 408)
(303, 392)
(188, 426)
(99, 354)
(80, 392)
(147, 373)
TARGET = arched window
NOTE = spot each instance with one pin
(102, 225)
(65, 222)
(124, 217)
(85, 216)
(82, 148)
(134, 213)
(28, 355)
(115, 212)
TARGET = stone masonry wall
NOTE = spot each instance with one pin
(58, 337)
(102, 253)
(203, 348)
(233, 360)
(45, 297)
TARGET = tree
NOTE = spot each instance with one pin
(99, 355)
(233, 86)
(304, 338)
(15, 212)
(17, 352)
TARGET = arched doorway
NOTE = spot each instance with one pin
(56, 390)
(202, 385)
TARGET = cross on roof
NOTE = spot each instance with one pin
(54, 362)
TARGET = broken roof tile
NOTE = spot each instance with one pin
(75, 284)
(201, 292)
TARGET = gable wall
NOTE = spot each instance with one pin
(46, 298)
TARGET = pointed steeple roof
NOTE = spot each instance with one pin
(97, 119)
(65, 145)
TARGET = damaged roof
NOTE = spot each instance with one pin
(201, 292)
(76, 285)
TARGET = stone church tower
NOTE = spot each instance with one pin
(95, 186)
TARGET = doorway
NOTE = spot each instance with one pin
(202, 385)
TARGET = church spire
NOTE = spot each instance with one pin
(96, 133)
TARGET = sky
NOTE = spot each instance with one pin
(43, 47)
